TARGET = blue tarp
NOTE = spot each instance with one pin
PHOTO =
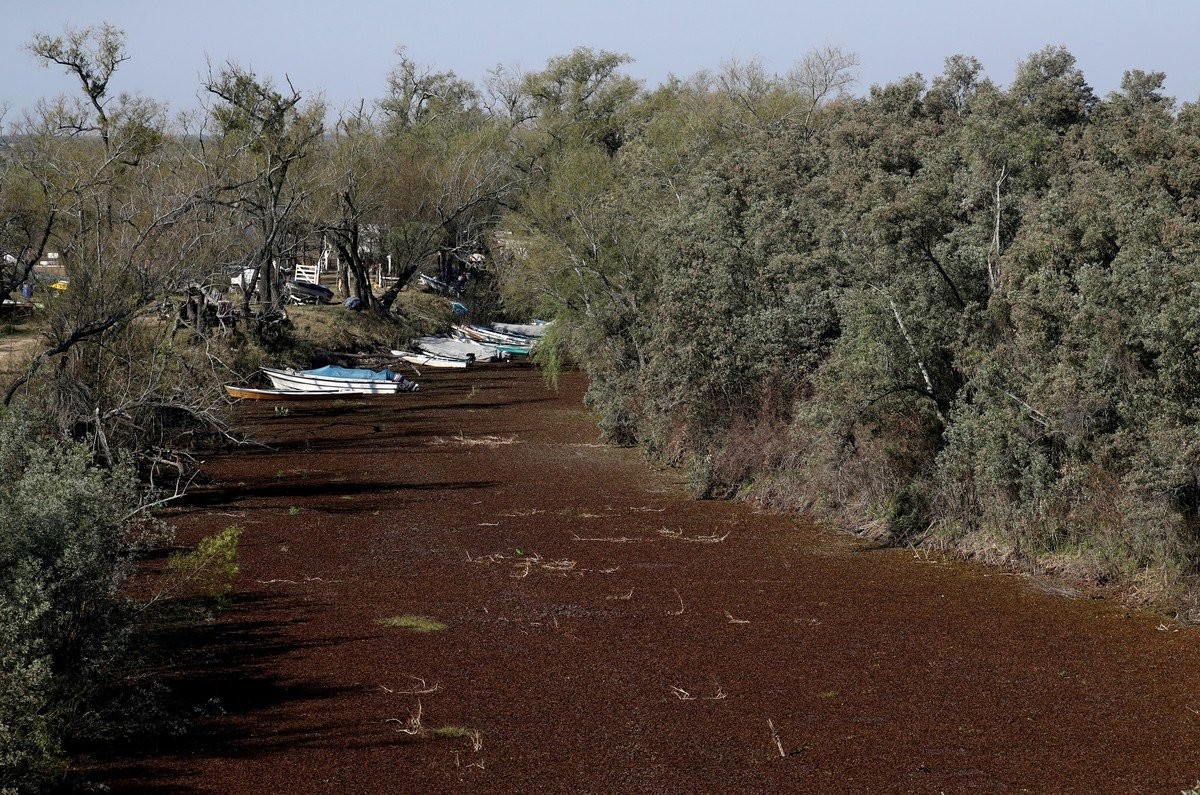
(332, 371)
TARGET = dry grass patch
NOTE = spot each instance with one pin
(414, 726)
(412, 623)
(473, 441)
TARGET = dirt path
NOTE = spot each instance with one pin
(604, 633)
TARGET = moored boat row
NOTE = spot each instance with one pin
(469, 345)
(473, 344)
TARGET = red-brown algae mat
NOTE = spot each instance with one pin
(462, 589)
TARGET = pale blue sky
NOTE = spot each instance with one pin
(345, 49)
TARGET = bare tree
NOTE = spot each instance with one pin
(117, 195)
(450, 168)
(262, 136)
(417, 95)
(824, 73)
(447, 196)
(92, 55)
(351, 207)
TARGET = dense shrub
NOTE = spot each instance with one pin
(64, 624)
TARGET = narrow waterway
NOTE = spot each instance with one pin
(597, 630)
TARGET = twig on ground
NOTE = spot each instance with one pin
(624, 597)
(609, 539)
(678, 535)
(489, 441)
(775, 737)
(684, 695)
(421, 688)
(680, 598)
(523, 564)
(733, 620)
(412, 724)
(559, 565)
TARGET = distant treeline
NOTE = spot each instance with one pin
(944, 312)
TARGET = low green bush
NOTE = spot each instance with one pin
(65, 552)
(209, 569)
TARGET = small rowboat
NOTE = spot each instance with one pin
(513, 343)
(340, 379)
(429, 360)
(246, 393)
(504, 343)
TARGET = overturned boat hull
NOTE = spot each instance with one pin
(308, 292)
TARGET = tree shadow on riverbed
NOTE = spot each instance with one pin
(214, 673)
(305, 491)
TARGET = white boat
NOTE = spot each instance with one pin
(508, 343)
(335, 379)
(537, 328)
(490, 335)
(448, 348)
(246, 277)
(429, 360)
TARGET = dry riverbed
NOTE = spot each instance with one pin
(462, 589)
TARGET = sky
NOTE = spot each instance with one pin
(344, 50)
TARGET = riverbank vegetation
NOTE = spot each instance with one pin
(942, 311)
(946, 312)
